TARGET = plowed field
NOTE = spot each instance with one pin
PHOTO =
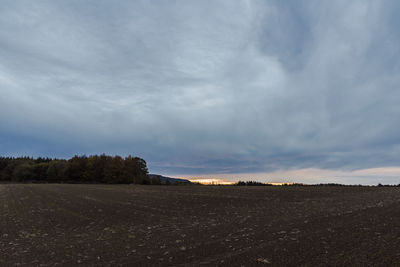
(130, 225)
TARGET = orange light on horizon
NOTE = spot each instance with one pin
(280, 183)
(215, 181)
(209, 181)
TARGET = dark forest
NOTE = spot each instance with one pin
(79, 169)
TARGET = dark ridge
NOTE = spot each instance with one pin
(157, 178)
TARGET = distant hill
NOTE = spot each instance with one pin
(164, 179)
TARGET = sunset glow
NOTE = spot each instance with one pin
(211, 181)
(370, 176)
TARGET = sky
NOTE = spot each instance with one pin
(267, 90)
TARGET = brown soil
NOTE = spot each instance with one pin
(130, 225)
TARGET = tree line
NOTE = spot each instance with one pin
(79, 169)
(252, 183)
(255, 183)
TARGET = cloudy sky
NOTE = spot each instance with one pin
(266, 89)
